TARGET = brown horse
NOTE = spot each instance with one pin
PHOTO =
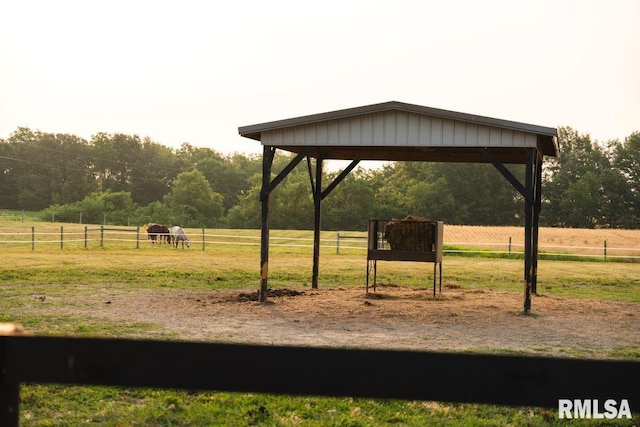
(158, 230)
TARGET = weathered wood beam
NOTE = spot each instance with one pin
(503, 170)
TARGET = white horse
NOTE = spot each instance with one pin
(178, 235)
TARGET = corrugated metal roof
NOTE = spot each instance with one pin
(399, 131)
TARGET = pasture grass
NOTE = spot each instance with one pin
(55, 405)
(229, 267)
(28, 275)
(71, 325)
(111, 406)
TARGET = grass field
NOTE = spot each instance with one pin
(28, 275)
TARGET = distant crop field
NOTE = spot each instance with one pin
(622, 240)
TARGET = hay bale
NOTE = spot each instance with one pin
(410, 234)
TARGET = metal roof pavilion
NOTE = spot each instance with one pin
(396, 131)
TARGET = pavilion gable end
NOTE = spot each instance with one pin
(399, 129)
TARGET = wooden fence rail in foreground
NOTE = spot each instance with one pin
(449, 377)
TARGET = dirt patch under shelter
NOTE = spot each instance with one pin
(393, 317)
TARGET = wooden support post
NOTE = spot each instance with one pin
(267, 161)
(317, 206)
(528, 225)
(537, 203)
(532, 193)
(435, 264)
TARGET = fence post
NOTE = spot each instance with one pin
(337, 243)
(80, 217)
(33, 238)
(509, 246)
(138, 238)
(85, 236)
(203, 238)
(61, 237)
(605, 250)
(101, 235)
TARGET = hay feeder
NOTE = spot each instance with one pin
(407, 239)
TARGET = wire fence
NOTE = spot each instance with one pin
(133, 237)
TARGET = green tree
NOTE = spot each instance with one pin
(350, 204)
(113, 159)
(588, 185)
(388, 196)
(118, 206)
(432, 200)
(580, 202)
(152, 172)
(192, 201)
(43, 168)
(456, 193)
(227, 175)
(247, 213)
(618, 201)
(482, 195)
(155, 211)
(97, 208)
(290, 203)
(626, 160)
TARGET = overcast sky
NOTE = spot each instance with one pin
(194, 71)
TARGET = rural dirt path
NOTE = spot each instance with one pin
(394, 317)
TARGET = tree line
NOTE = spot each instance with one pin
(124, 179)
